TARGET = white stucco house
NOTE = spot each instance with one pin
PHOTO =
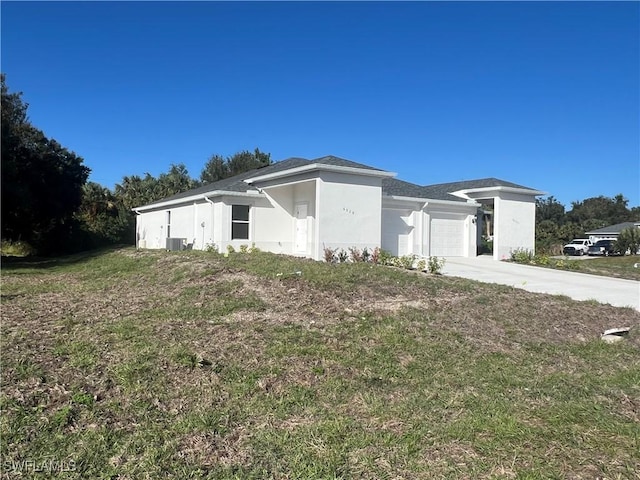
(611, 232)
(299, 207)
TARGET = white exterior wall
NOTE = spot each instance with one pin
(398, 231)
(272, 224)
(514, 218)
(186, 222)
(349, 210)
(182, 220)
(150, 229)
(203, 234)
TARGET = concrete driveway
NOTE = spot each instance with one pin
(579, 286)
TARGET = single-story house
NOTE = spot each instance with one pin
(611, 232)
(299, 207)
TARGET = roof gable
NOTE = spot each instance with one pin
(612, 229)
(478, 183)
(341, 162)
(400, 188)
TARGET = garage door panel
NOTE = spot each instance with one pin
(447, 236)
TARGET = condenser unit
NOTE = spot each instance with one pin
(174, 244)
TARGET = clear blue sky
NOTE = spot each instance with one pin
(543, 94)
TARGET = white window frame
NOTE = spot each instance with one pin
(241, 222)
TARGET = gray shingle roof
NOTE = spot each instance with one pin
(479, 183)
(237, 184)
(400, 188)
(390, 186)
(341, 162)
(612, 229)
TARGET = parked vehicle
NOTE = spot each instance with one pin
(577, 246)
(603, 247)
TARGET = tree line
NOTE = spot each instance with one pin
(48, 204)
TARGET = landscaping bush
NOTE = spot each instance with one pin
(628, 241)
(521, 255)
(435, 265)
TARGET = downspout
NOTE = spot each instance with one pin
(207, 199)
(195, 225)
(422, 222)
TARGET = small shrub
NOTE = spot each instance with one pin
(435, 265)
(385, 258)
(567, 265)
(230, 249)
(211, 248)
(329, 254)
(244, 248)
(406, 261)
(628, 241)
(342, 256)
(541, 260)
(375, 256)
(366, 255)
(253, 248)
(355, 255)
(16, 249)
(422, 265)
(521, 255)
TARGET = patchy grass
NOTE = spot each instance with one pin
(620, 267)
(614, 266)
(127, 364)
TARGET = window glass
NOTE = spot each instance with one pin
(240, 222)
(240, 231)
(240, 213)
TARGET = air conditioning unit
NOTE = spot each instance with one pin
(175, 244)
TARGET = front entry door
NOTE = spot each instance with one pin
(300, 243)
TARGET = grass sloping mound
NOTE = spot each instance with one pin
(191, 365)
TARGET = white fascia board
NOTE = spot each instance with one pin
(523, 191)
(200, 196)
(319, 166)
(428, 201)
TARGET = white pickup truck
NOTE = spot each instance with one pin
(577, 246)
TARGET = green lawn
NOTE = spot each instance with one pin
(614, 266)
(622, 267)
(132, 365)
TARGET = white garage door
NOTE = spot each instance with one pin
(447, 236)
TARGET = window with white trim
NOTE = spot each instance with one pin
(239, 222)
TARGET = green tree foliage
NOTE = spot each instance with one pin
(41, 180)
(135, 191)
(218, 168)
(555, 227)
(549, 209)
(602, 211)
(176, 180)
(215, 169)
(629, 240)
(104, 218)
